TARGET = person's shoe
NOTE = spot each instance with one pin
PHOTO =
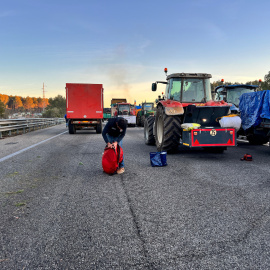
(121, 170)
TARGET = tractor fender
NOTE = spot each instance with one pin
(171, 107)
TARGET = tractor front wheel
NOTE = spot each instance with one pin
(167, 131)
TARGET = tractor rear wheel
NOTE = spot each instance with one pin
(149, 138)
(167, 131)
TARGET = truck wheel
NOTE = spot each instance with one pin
(99, 128)
(71, 129)
(167, 131)
(149, 138)
(257, 139)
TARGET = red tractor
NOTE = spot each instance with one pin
(187, 115)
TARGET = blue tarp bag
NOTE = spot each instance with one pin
(158, 159)
(254, 107)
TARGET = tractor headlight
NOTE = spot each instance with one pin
(174, 110)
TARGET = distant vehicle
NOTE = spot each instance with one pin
(127, 111)
(246, 101)
(84, 106)
(231, 94)
(147, 109)
(114, 101)
(106, 113)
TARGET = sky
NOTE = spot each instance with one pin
(125, 45)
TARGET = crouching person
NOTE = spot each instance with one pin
(113, 134)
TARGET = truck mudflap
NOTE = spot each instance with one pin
(209, 137)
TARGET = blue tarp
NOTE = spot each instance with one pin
(266, 105)
(254, 107)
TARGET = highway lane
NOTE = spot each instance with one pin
(60, 211)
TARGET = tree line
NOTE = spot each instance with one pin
(20, 103)
(49, 107)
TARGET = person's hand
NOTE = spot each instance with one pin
(114, 144)
(109, 145)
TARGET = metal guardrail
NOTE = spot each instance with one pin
(27, 124)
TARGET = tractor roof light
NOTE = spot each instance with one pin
(165, 70)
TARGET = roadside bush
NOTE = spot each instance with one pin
(52, 113)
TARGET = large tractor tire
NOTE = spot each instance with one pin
(149, 138)
(71, 129)
(167, 131)
(257, 139)
(99, 128)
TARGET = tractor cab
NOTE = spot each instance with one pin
(123, 109)
(232, 93)
(187, 87)
(147, 107)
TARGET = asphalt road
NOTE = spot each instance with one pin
(58, 210)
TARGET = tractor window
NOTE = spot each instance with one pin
(234, 94)
(175, 89)
(124, 109)
(148, 107)
(193, 90)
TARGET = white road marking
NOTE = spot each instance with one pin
(29, 147)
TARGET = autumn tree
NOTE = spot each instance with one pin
(17, 102)
(29, 104)
(45, 102)
(4, 99)
(35, 102)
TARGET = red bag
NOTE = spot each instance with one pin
(111, 159)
